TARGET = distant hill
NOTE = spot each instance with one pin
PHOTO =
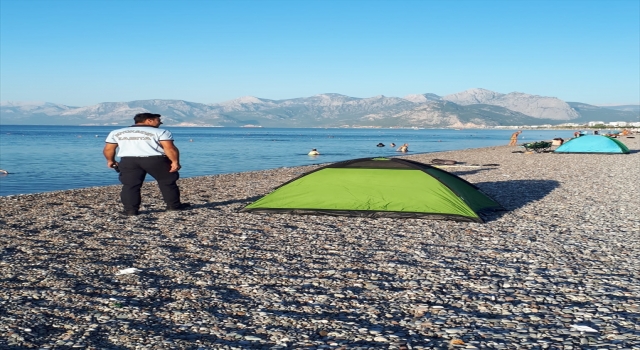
(627, 108)
(532, 105)
(606, 114)
(471, 108)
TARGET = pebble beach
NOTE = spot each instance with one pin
(558, 269)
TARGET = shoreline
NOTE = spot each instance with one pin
(564, 254)
(49, 176)
(149, 179)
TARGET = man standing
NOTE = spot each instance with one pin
(514, 138)
(144, 149)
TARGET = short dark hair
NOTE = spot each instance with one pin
(141, 117)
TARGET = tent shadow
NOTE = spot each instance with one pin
(516, 193)
(469, 172)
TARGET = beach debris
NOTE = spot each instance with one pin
(252, 338)
(457, 166)
(443, 161)
(457, 342)
(579, 328)
(128, 271)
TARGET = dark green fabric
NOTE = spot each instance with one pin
(622, 146)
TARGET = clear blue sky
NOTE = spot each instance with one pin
(83, 52)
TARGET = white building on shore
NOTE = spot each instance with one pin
(618, 124)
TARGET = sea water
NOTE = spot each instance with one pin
(51, 158)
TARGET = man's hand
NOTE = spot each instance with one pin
(174, 167)
(172, 152)
(109, 152)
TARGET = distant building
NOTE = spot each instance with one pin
(570, 124)
(618, 124)
(595, 123)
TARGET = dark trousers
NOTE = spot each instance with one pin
(133, 170)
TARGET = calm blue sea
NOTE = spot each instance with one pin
(51, 158)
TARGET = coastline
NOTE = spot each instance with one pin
(564, 253)
(210, 154)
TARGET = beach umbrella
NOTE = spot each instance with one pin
(379, 187)
(593, 144)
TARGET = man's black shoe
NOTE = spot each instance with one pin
(130, 212)
(182, 206)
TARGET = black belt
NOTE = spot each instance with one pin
(145, 157)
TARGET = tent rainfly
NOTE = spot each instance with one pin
(592, 144)
(379, 187)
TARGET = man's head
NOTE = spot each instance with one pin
(150, 119)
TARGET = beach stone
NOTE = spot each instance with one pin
(212, 277)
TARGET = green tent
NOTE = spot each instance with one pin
(378, 187)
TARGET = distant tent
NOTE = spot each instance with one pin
(379, 187)
(593, 144)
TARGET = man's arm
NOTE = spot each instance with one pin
(172, 152)
(109, 152)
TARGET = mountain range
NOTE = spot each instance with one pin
(470, 108)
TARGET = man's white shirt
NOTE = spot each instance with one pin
(139, 141)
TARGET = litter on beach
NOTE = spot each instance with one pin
(457, 166)
(128, 271)
(443, 161)
(579, 328)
